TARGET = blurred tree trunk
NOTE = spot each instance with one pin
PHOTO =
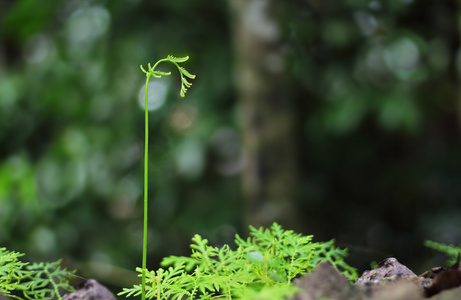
(266, 113)
(456, 46)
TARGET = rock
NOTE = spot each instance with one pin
(325, 282)
(90, 290)
(389, 280)
(451, 294)
(390, 268)
(398, 290)
(392, 278)
(445, 279)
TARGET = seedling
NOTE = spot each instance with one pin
(263, 265)
(151, 71)
(47, 280)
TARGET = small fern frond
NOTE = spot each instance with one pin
(451, 251)
(34, 281)
(49, 280)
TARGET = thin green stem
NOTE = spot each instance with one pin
(146, 161)
(184, 85)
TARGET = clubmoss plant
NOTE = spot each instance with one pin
(185, 84)
(21, 280)
(262, 267)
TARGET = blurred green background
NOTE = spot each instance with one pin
(339, 119)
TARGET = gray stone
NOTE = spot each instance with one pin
(325, 282)
(90, 290)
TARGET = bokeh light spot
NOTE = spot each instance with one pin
(156, 96)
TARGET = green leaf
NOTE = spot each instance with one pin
(185, 72)
(160, 73)
(178, 59)
(142, 68)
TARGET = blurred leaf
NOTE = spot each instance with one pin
(27, 17)
(397, 111)
(17, 181)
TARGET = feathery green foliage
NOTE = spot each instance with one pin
(12, 272)
(33, 281)
(451, 251)
(261, 267)
(47, 279)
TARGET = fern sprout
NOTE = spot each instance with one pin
(185, 84)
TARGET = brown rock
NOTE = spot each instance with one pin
(90, 289)
(325, 282)
(445, 280)
(452, 294)
(387, 269)
(399, 290)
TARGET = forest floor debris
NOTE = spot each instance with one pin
(389, 280)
